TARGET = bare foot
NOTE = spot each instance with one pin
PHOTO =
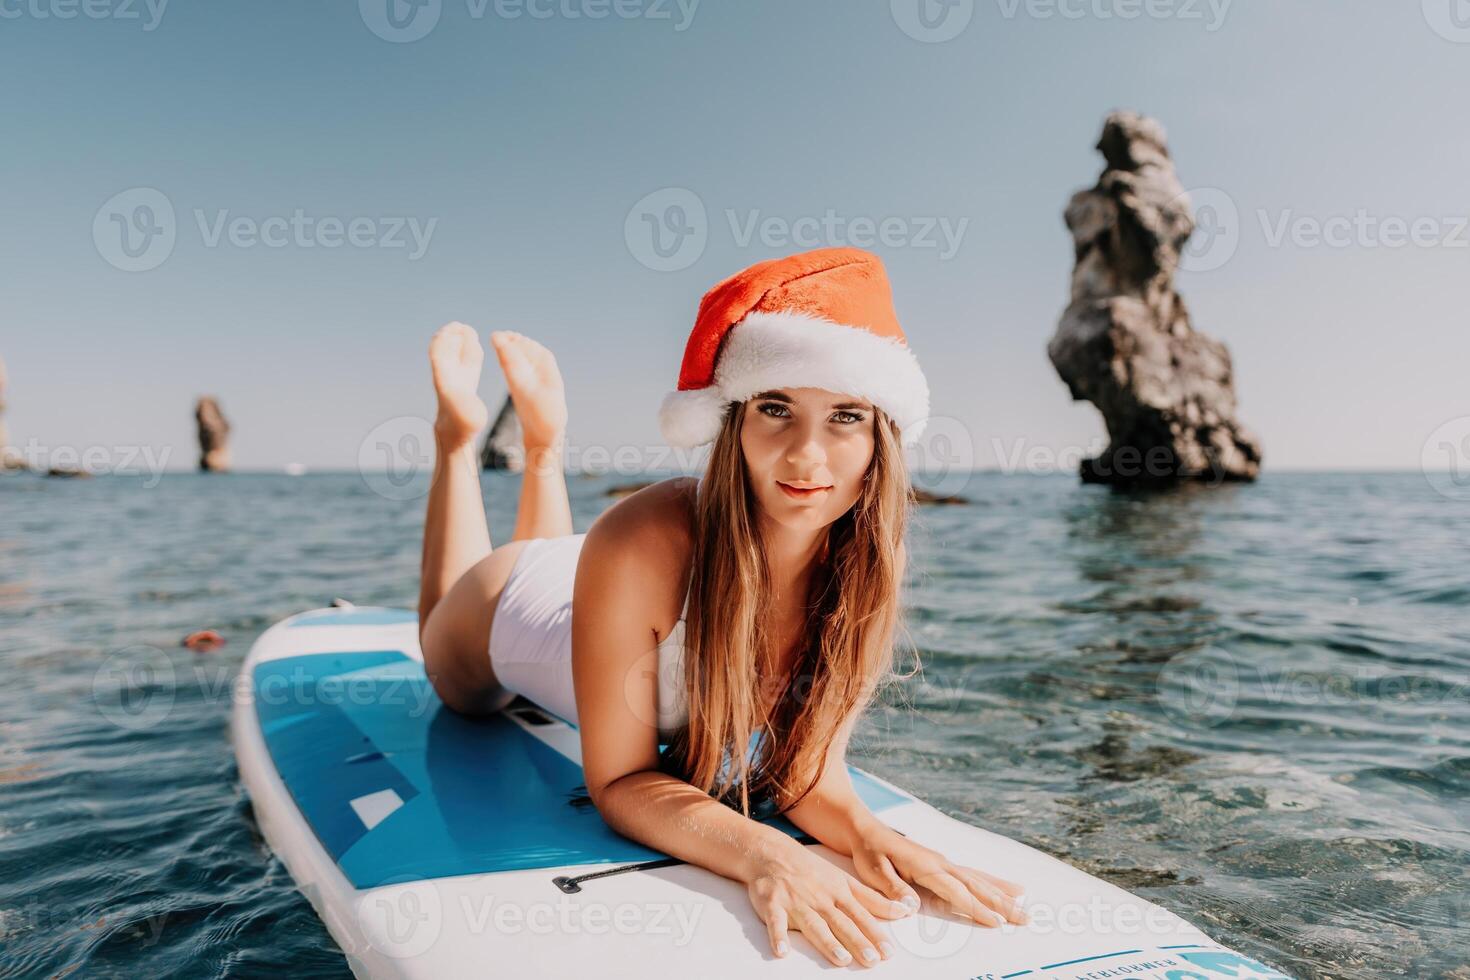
(535, 387)
(456, 356)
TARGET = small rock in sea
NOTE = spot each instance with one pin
(9, 458)
(925, 497)
(214, 436)
(504, 447)
(203, 641)
(66, 473)
(627, 489)
(1125, 342)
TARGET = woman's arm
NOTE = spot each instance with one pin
(834, 814)
(886, 860)
(614, 667)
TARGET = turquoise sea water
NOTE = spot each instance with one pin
(1248, 704)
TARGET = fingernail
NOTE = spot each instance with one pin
(843, 956)
(911, 903)
(899, 908)
(782, 948)
(886, 948)
(870, 955)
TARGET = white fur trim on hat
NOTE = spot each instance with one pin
(793, 350)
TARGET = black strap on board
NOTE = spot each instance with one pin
(572, 885)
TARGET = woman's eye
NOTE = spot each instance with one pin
(770, 408)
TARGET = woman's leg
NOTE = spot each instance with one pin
(539, 395)
(456, 535)
(458, 565)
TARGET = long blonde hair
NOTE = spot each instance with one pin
(853, 609)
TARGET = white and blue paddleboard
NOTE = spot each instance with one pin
(438, 846)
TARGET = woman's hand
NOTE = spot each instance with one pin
(890, 863)
(797, 889)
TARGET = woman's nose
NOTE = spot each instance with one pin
(806, 445)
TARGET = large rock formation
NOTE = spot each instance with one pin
(1166, 391)
(504, 447)
(214, 436)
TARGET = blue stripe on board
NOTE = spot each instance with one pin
(1089, 959)
(307, 729)
(479, 794)
(354, 616)
(1008, 976)
(1229, 963)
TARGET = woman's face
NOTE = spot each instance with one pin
(807, 438)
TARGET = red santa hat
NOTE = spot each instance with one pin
(819, 319)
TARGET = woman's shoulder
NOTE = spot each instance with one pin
(649, 534)
(663, 510)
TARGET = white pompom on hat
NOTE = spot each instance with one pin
(819, 319)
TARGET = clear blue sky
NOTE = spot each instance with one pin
(528, 141)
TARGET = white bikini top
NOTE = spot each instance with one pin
(673, 712)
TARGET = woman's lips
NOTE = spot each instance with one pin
(801, 494)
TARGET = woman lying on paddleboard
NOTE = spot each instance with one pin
(756, 602)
